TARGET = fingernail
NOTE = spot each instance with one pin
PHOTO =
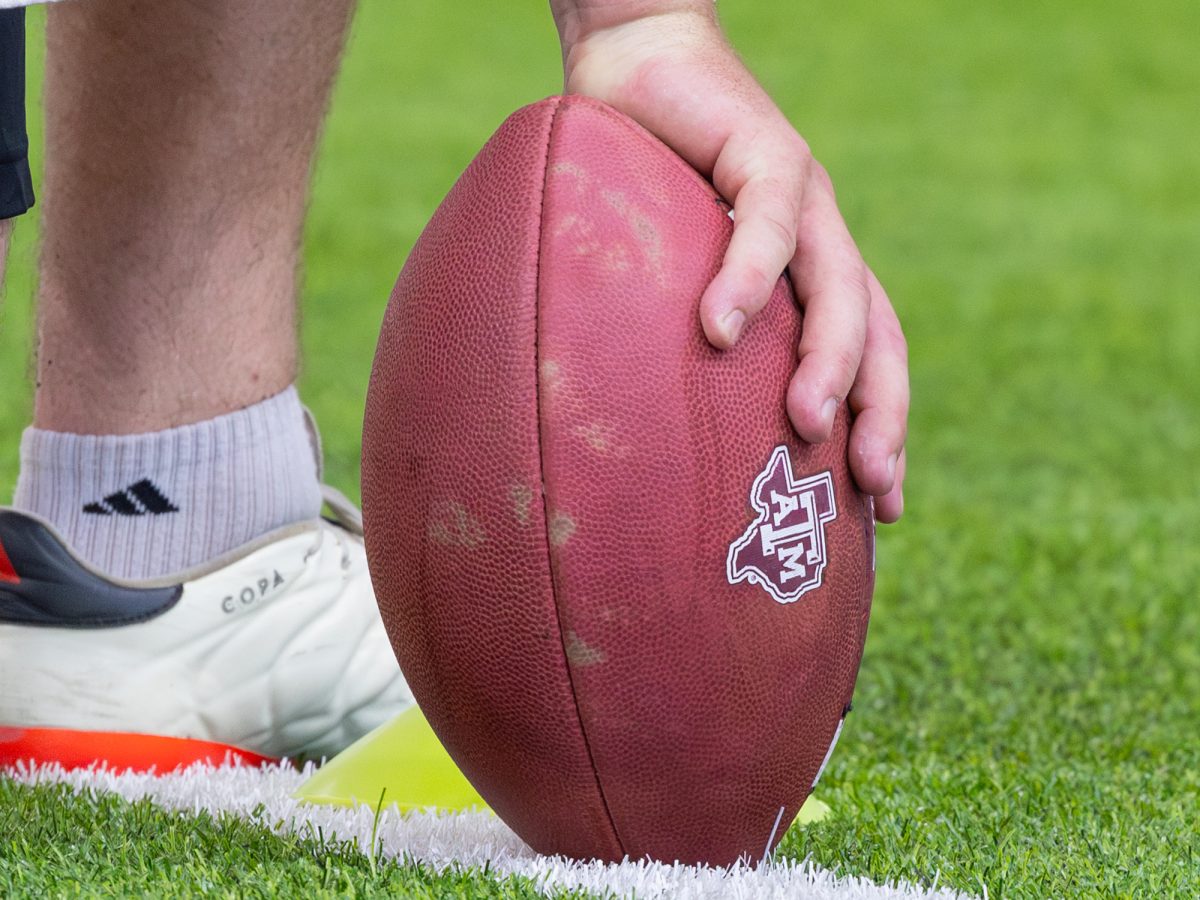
(891, 467)
(733, 323)
(828, 411)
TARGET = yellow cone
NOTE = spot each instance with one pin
(813, 810)
(405, 762)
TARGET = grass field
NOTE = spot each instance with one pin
(1024, 178)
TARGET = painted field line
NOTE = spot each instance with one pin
(467, 839)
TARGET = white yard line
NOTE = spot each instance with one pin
(466, 839)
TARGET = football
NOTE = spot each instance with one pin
(629, 599)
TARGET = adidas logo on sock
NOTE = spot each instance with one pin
(136, 500)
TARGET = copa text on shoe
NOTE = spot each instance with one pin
(251, 593)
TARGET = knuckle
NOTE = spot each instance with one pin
(760, 280)
(819, 175)
(844, 362)
(780, 229)
(800, 151)
(790, 162)
(847, 286)
(837, 365)
(889, 335)
(855, 282)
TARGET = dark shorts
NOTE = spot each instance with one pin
(16, 185)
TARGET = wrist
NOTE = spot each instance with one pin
(578, 20)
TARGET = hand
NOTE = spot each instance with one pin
(668, 66)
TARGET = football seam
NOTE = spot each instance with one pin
(537, 351)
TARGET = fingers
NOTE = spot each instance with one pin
(851, 346)
(763, 243)
(832, 284)
(890, 506)
(682, 81)
(880, 400)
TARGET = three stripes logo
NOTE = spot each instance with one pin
(136, 500)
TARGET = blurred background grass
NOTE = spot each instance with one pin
(1025, 179)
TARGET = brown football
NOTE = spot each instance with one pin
(631, 602)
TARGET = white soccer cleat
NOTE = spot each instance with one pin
(274, 650)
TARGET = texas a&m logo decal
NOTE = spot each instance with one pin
(783, 550)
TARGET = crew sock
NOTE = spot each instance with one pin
(146, 505)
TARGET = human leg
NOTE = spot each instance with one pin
(179, 148)
(179, 142)
(180, 139)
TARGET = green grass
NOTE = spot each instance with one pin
(1024, 179)
(56, 844)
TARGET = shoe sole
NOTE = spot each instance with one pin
(116, 751)
(276, 650)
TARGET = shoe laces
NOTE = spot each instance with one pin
(346, 516)
(344, 511)
(346, 519)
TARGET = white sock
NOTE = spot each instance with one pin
(143, 505)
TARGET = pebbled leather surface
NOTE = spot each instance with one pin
(555, 464)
